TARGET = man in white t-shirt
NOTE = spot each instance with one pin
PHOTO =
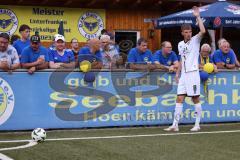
(189, 82)
(9, 59)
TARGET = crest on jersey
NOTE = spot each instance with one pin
(90, 25)
(228, 60)
(8, 21)
(145, 59)
(169, 63)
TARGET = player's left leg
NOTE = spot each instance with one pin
(193, 90)
(198, 112)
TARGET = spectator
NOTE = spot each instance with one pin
(205, 57)
(61, 57)
(166, 58)
(75, 48)
(140, 58)
(52, 46)
(14, 38)
(35, 57)
(9, 59)
(110, 55)
(220, 42)
(224, 57)
(92, 53)
(20, 44)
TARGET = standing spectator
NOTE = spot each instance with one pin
(92, 53)
(140, 58)
(75, 48)
(20, 44)
(35, 57)
(8, 55)
(61, 57)
(166, 58)
(224, 57)
(205, 57)
(110, 55)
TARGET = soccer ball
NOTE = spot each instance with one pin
(39, 135)
(208, 67)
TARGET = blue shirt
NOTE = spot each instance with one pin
(29, 55)
(165, 60)
(67, 56)
(20, 45)
(228, 58)
(85, 54)
(134, 56)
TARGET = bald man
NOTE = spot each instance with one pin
(91, 52)
(165, 58)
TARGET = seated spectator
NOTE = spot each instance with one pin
(205, 57)
(224, 57)
(220, 42)
(20, 44)
(92, 53)
(110, 55)
(140, 58)
(61, 57)
(8, 55)
(165, 58)
(35, 57)
(75, 48)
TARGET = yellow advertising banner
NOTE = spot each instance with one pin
(80, 23)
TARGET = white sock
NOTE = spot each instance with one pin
(177, 114)
(198, 110)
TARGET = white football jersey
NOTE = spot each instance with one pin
(189, 52)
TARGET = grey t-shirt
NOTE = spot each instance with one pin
(10, 55)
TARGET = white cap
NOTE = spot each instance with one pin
(59, 37)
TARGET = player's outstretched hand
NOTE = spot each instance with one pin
(196, 11)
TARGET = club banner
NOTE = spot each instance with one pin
(80, 23)
(65, 100)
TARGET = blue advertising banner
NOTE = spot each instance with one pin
(64, 100)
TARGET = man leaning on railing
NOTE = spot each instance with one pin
(9, 59)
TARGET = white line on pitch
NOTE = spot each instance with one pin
(30, 144)
(130, 136)
(142, 135)
(4, 157)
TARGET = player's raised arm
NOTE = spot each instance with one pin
(196, 13)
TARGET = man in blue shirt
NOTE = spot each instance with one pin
(35, 57)
(20, 44)
(165, 58)
(140, 58)
(92, 53)
(224, 57)
(61, 57)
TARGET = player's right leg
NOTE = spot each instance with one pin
(177, 113)
(181, 92)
